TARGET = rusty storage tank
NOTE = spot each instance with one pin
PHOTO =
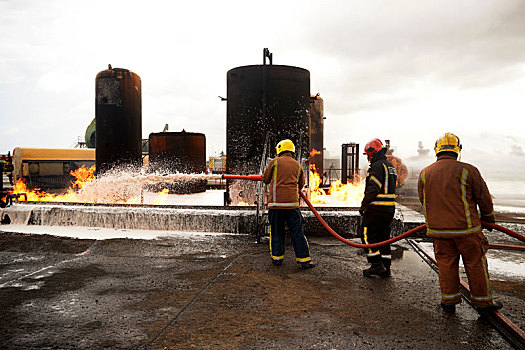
(317, 134)
(265, 104)
(118, 116)
(178, 152)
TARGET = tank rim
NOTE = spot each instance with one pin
(273, 65)
(177, 133)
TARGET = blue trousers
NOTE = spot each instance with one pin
(294, 219)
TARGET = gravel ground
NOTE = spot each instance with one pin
(221, 292)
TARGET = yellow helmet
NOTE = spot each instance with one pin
(285, 145)
(448, 142)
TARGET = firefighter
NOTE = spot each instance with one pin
(377, 208)
(286, 177)
(450, 192)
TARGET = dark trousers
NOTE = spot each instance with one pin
(294, 219)
(375, 227)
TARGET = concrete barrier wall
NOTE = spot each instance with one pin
(344, 222)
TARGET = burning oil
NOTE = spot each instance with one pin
(120, 185)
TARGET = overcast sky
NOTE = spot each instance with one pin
(406, 70)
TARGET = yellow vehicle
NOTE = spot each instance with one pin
(49, 168)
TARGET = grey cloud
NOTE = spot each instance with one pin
(393, 42)
(516, 150)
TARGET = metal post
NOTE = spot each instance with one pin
(344, 163)
(2, 174)
(357, 159)
(352, 162)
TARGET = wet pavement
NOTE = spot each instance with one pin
(220, 291)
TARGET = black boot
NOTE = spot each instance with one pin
(448, 308)
(496, 305)
(374, 270)
(386, 274)
(307, 265)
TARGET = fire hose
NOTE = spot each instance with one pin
(505, 326)
(391, 240)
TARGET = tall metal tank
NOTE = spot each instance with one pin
(178, 152)
(317, 134)
(265, 104)
(118, 116)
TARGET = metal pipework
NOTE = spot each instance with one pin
(349, 169)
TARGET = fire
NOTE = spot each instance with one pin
(314, 152)
(402, 170)
(83, 176)
(351, 194)
(317, 195)
(162, 196)
(37, 195)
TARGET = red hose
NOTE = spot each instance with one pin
(504, 230)
(506, 246)
(353, 244)
(388, 241)
(243, 177)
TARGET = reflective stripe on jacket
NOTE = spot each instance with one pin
(380, 188)
(450, 192)
(286, 177)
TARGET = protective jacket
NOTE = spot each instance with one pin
(449, 191)
(285, 176)
(380, 188)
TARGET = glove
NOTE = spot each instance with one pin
(488, 228)
(487, 219)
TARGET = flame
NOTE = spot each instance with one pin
(243, 204)
(83, 176)
(351, 194)
(314, 152)
(162, 196)
(317, 195)
(37, 195)
(402, 170)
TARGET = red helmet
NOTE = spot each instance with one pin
(372, 147)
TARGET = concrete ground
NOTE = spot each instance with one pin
(217, 291)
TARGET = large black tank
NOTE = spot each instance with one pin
(178, 152)
(118, 116)
(264, 102)
(317, 134)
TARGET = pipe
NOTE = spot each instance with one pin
(391, 240)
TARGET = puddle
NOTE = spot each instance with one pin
(98, 233)
(509, 265)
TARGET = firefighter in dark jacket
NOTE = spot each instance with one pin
(286, 178)
(451, 192)
(377, 208)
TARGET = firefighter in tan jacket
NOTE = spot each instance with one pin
(286, 178)
(450, 192)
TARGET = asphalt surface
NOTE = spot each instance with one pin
(220, 291)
